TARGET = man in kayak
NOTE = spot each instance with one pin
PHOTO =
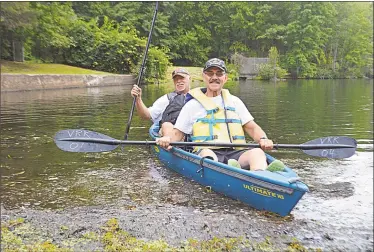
(212, 114)
(165, 109)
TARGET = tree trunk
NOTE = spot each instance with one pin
(297, 71)
(18, 51)
(335, 56)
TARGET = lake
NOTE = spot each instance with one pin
(36, 174)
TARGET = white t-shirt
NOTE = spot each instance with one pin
(158, 108)
(193, 110)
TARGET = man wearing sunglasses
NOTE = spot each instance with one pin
(212, 114)
(165, 109)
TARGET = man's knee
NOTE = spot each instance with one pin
(255, 152)
(252, 156)
(208, 153)
(255, 158)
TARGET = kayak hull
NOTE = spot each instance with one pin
(277, 192)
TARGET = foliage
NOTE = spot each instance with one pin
(271, 70)
(17, 21)
(313, 39)
(267, 72)
(273, 56)
(233, 70)
(51, 31)
(156, 65)
(353, 38)
(104, 48)
(115, 50)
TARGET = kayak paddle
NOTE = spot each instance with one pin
(141, 71)
(81, 140)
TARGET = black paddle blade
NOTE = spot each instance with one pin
(77, 140)
(345, 152)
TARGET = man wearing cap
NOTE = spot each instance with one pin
(212, 114)
(165, 109)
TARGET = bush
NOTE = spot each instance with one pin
(156, 65)
(267, 72)
(324, 73)
(233, 70)
(110, 49)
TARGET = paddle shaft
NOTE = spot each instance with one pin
(212, 144)
(81, 140)
(141, 72)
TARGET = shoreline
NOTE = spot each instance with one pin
(27, 82)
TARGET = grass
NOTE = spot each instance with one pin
(43, 68)
(29, 67)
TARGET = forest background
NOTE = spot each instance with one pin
(308, 39)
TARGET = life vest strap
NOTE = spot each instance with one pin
(210, 138)
(212, 111)
(232, 121)
(230, 108)
(204, 138)
(208, 129)
(214, 121)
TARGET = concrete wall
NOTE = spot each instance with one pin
(18, 82)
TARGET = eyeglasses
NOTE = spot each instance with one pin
(218, 73)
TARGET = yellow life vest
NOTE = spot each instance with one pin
(221, 125)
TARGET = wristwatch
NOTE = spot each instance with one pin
(263, 137)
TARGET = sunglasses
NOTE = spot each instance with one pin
(218, 73)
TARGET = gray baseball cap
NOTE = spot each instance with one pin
(181, 72)
(215, 62)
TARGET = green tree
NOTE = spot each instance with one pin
(55, 20)
(313, 39)
(17, 21)
(271, 70)
(306, 36)
(352, 41)
(116, 51)
(88, 10)
(190, 38)
(156, 65)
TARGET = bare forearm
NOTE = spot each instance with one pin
(176, 135)
(254, 131)
(142, 109)
(258, 133)
(173, 136)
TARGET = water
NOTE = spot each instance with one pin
(36, 174)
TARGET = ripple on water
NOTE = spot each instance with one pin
(37, 174)
(341, 198)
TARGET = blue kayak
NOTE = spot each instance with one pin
(276, 192)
